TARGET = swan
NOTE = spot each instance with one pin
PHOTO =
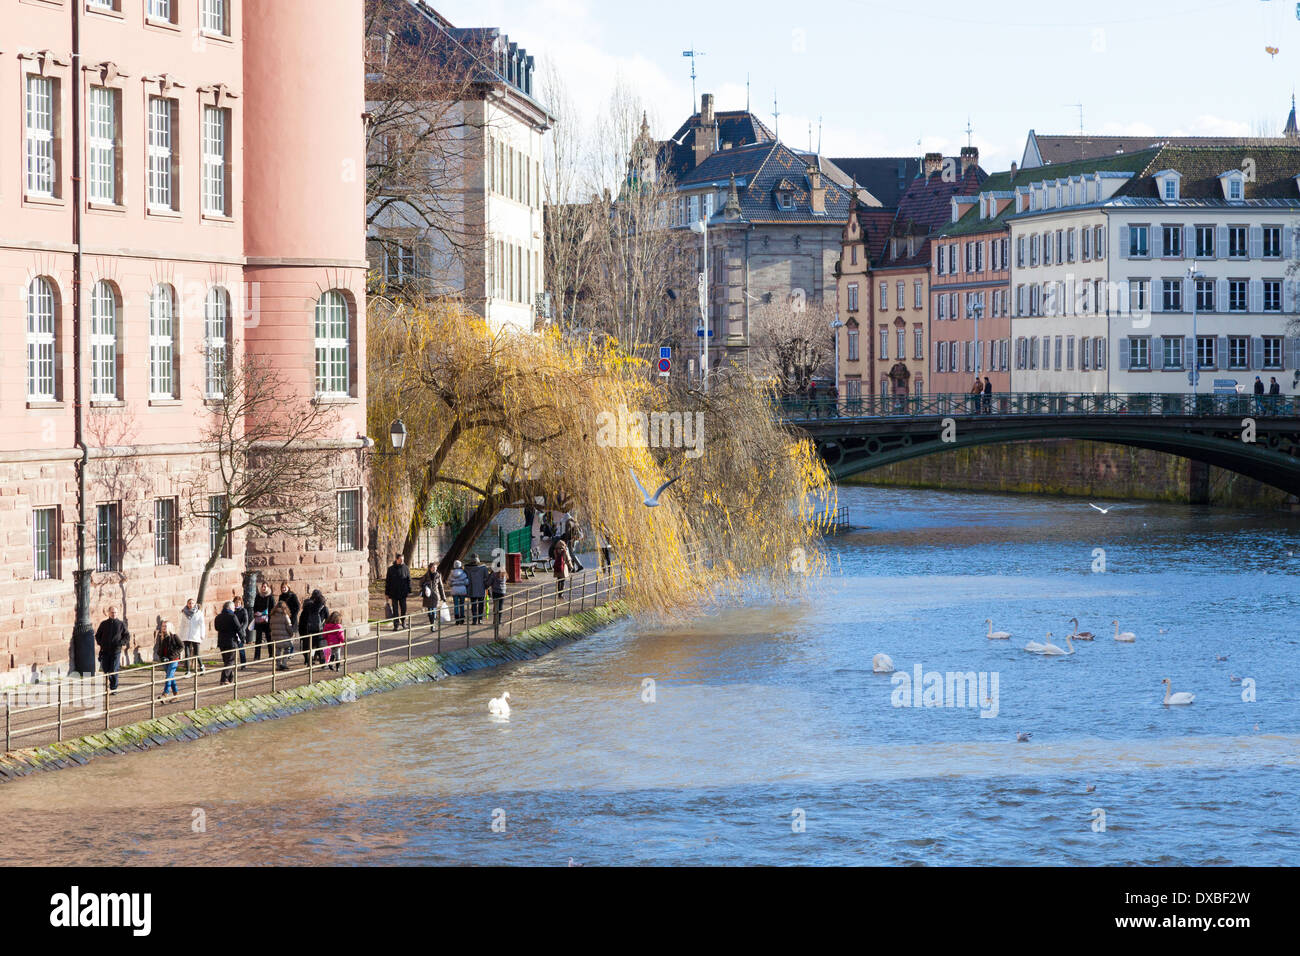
(882, 664)
(1182, 697)
(1128, 637)
(1051, 650)
(500, 706)
(996, 635)
(1079, 635)
(1034, 647)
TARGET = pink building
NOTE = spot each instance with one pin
(196, 169)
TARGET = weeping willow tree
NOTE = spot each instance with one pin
(512, 419)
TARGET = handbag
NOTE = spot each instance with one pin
(427, 591)
(444, 612)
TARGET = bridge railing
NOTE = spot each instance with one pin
(1171, 404)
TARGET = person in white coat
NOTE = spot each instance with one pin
(192, 633)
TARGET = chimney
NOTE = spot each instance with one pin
(933, 163)
(706, 109)
(816, 190)
(1013, 170)
(705, 141)
(970, 156)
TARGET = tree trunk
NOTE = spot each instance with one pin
(207, 568)
(475, 525)
(421, 505)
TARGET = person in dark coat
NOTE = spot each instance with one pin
(292, 602)
(245, 622)
(1273, 387)
(227, 628)
(477, 572)
(311, 630)
(397, 587)
(988, 394)
(262, 607)
(110, 637)
(281, 635)
(1259, 386)
(432, 593)
(497, 582)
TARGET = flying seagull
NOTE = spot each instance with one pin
(1102, 510)
(651, 501)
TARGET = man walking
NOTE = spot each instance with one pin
(477, 572)
(397, 587)
(988, 395)
(227, 628)
(110, 637)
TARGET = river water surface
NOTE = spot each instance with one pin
(769, 739)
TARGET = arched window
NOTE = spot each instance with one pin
(103, 343)
(162, 343)
(40, 341)
(216, 325)
(333, 373)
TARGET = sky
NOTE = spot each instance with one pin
(904, 77)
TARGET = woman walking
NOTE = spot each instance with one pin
(281, 635)
(192, 632)
(459, 590)
(227, 628)
(561, 566)
(432, 593)
(311, 625)
(168, 650)
(333, 639)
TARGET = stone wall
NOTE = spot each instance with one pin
(1078, 468)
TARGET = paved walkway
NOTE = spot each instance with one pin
(87, 708)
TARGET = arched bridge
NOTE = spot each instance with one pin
(856, 436)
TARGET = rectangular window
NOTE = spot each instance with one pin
(1172, 295)
(1086, 235)
(1238, 297)
(161, 10)
(1020, 252)
(853, 297)
(1272, 351)
(1138, 239)
(1204, 295)
(39, 113)
(1237, 247)
(900, 296)
(1272, 242)
(918, 344)
(41, 383)
(1172, 347)
(1205, 242)
(884, 295)
(884, 342)
(1205, 352)
(1138, 295)
(165, 544)
(1272, 295)
(45, 543)
(216, 520)
(902, 343)
(1139, 355)
(1056, 353)
(918, 294)
(103, 343)
(101, 145)
(108, 537)
(1171, 242)
(349, 534)
(216, 125)
(1069, 244)
(1239, 351)
(212, 17)
(160, 155)
(853, 344)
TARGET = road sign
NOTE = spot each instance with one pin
(665, 351)
(665, 365)
(699, 332)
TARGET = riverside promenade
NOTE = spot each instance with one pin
(41, 714)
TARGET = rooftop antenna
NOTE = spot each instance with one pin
(776, 118)
(746, 92)
(968, 131)
(819, 136)
(810, 136)
(1079, 107)
(693, 53)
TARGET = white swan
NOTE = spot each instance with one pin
(1079, 635)
(1182, 697)
(1034, 647)
(996, 635)
(1128, 637)
(1051, 650)
(500, 706)
(882, 664)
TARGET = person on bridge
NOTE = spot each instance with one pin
(397, 587)
(193, 631)
(334, 639)
(977, 392)
(281, 635)
(110, 637)
(988, 394)
(311, 630)
(1259, 386)
(561, 566)
(1273, 387)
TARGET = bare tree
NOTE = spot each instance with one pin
(791, 342)
(268, 465)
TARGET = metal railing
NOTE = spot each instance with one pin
(833, 522)
(1171, 404)
(74, 707)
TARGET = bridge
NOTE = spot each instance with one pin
(1253, 435)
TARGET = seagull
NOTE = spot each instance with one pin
(1220, 657)
(651, 501)
(1023, 737)
(1091, 787)
(1234, 679)
(1102, 510)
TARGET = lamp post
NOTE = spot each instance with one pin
(1194, 376)
(396, 435)
(701, 228)
(976, 311)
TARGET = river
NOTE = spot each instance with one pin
(769, 740)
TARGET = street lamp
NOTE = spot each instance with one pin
(397, 434)
(976, 311)
(1194, 376)
(701, 228)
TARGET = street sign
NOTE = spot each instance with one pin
(1226, 386)
(665, 365)
(665, 351)
(700, 333)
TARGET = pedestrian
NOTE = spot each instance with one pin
(606, 554)
(168, 649)
(459, 589)
(227, 628)
(262, 606)
(988, 394)
(812, 399)
(561, 567)
(192, 634)
(311, 629)
(397, 586)
(244, 620)
(281, 635)
(432, 593)
(477, 573)
(573, 535)
(498, 586)
(110, 636)
(291, 602)
(1259, 386)
(1273, 387)
(333, 639)
(976, 391)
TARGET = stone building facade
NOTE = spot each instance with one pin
(182, 254)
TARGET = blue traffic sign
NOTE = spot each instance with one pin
(665, 352)
(700, 333)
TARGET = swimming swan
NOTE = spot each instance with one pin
(996, 635)
(1128, 637)
(500, 706)
(1182, 697)
(1051, 650)
(1079, 635)
(1034, 647)
(882, 664)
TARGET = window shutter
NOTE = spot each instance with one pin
(1157, 354)
(1123, 353)
(1257, 296)
(938, 362)
(1294, 344)
(1221, 242)
(1157, 241)
(1288, 295)
(1256, 351)
(1189, 351)
(1221, 352)
(1189, 242)
(1256, 243)
(1156, 293)
(1123, 242)
(1099, 358)
(1221, 295)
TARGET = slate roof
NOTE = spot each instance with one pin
(875, 225)
(1056, 149)
(758, 170)
(1275, 169)
(927, 203)
(885, 177)
(738, 127)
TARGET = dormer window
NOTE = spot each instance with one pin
(1234, 185)
(1234, 189)
(1167, 185)
(1171, 189)
(785, 199)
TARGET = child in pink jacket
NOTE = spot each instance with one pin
(333, 638)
